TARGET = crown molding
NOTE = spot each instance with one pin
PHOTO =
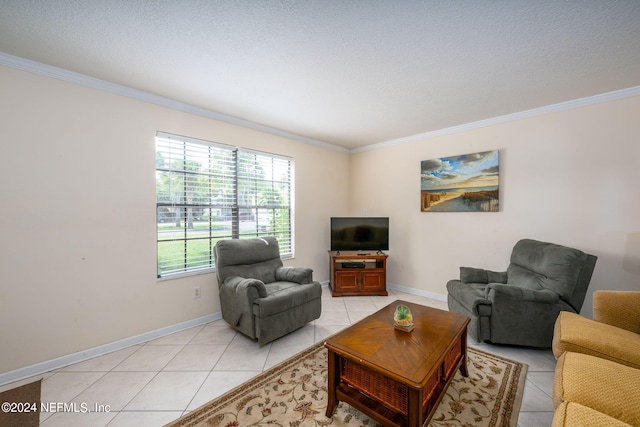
(103, 85)
(562, 106)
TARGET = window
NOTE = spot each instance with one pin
(206, 192)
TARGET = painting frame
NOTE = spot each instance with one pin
(463, 183)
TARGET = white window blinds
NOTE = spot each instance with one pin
(206, 192)
(264, 197)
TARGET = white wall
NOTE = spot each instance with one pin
(77, 208)
(569, 177)
(77, 216)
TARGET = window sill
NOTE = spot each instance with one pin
(184, 274)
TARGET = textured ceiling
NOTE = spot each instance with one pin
(349, 73)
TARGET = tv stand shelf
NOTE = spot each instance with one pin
(356, 273)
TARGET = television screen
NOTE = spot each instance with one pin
(359, 234)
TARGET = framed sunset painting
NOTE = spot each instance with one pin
(466, 183)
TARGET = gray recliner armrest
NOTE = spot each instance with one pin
(242, 286)
(521, 294)
(237, 295)
(480, 275)
(299, 275)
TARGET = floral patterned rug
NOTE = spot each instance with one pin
(294, 393)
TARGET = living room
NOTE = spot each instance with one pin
(79, 229)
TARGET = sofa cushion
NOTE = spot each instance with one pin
(618, 308)
(599, 384)
(578, 334)
(575, 414)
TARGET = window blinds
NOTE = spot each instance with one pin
(206, 192)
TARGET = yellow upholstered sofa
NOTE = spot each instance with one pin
(597, 378)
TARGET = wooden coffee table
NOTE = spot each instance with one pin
(396, 377)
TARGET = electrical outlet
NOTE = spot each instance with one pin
(196, 292)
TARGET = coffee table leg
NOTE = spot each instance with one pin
(415, 409)
(334, 378)
(463, 365)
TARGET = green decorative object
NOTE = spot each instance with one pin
(403, 317)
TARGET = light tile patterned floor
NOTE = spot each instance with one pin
(156, 382)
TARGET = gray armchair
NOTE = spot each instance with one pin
(258, 295)
(520, 306)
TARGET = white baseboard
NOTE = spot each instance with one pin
(412, 291)
(60, 362)
(420, 293)
(70, 359)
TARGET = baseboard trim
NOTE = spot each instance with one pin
(60, 362)
(406, 290)
(418, 292)
(81, 356)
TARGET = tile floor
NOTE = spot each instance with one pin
(156, 382)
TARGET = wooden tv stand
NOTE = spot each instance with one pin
(355, 273)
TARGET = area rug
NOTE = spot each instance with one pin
(294, 393)
(21, 406)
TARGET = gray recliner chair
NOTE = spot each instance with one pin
(258, 295)
(520, 306)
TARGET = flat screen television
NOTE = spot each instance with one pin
(359, 233)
